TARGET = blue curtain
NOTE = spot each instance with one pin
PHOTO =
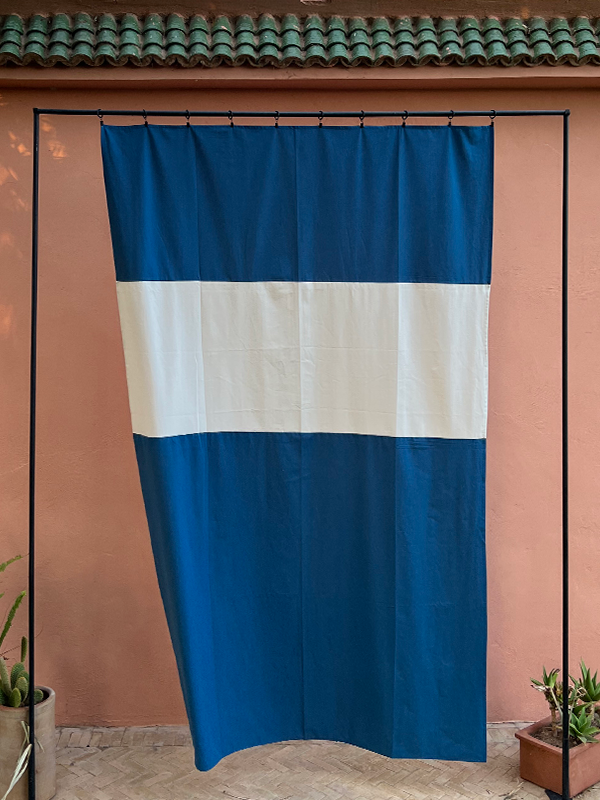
(304, 318)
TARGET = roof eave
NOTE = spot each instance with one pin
(374, 78)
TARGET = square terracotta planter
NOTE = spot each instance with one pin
(541, 763)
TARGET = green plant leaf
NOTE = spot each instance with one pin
(4, 679)
(14, 698)
(581, 725)
(23, 686)
(23, 648)
(588, 688)
(9, 562)
(16, 672)
(11, 616)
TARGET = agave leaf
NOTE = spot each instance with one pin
(581, 725)
(544, 676)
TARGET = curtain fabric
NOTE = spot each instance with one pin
(304, 319)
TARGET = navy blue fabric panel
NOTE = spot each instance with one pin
(446, 200)
(405, 204)
(314, 583)
(151, 191)
(210, 203)
(246, 204)
(176, 499)
(349, 578)
(441, 619)
(229, 571)
(348, 196)
(376, 204)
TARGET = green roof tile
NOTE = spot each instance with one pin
(267, 23)
(199, 41)
(291, 23)
(586, 41)
(314, 23)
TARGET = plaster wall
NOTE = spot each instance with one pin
(102, 640)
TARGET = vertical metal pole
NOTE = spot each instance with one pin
(32, 441)
(565, 458)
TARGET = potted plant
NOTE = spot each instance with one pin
(15, 746)
(541, 743)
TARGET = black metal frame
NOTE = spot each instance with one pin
(318, 115)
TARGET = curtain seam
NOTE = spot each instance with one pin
(205, 453)
(300, 444)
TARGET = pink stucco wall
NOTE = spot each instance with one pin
(102, 638)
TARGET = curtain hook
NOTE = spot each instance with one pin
(361, 117)
(145, 117)
(404, 118)
(230, 115)
(100, 116)
(187, 116)
(492, 117)
(277, 119)
(320, 119)
(450, 117)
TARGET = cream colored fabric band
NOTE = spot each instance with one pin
(386, 359)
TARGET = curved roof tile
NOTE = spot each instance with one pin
(197, 41)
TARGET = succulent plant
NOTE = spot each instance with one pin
(584, 702)
(551, 688)
(588, 687)
(14, 687)
(581, 725)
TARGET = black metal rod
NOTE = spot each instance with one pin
(77, 112)
(565, 459)
(300, 115)
(32, 443)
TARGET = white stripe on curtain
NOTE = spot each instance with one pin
(385, 359)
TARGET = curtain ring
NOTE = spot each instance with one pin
(230, 115)
(450, 117)
(492, 117)
(361, 117)
(320, 119)
(100, 116)
(187, 116)
(145, 117)
(277, 119)
(404, 118)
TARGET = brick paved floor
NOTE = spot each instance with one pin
(157, 764)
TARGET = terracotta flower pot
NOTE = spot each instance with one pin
(541, 763)
(11, 743)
